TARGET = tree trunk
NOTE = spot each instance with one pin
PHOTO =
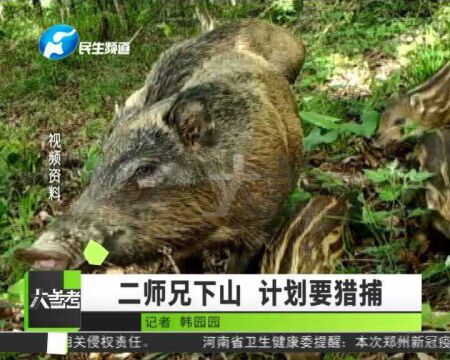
(38, 8)
(2, 18)
(70, 8)
(122, 14)
(104, 24)
(61, 10)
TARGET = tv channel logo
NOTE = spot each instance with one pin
(58, 42)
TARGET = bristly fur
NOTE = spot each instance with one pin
(426, 106)
(279, 48)
(434, 157)
(202, 157)
(310, 241)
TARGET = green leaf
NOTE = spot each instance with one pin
(377, 217)
(93, 158)
(433, 270)
(3, 207)
(323, 121)
(352, 129)
(427, 314)
(382, 215)
(418, 212)
(298, 196)
(166, 29)
(412, 129)
(434, 320)
(369, 124)
(418, 176)
(370, 120)
(327, 180)
(441, 321)
(367, 215)
(389, 193)
(17, 290)
(377, 176)
(315, 137)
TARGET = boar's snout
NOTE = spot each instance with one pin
(62, 245)
(381, 142)
(40, 260)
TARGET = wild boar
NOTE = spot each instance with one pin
(427, 106)
(284, 52)
(207, 166)
(434, 157)
(310, 241)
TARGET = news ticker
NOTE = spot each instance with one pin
(139, 342)
(66, 311)
(69, 301)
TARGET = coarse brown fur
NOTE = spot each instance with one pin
(427, 106)
(434, 157)
(206, 167)
(310, 241)
(284, 52)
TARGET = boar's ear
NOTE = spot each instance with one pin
(42, 259)
(192, 121)
(416, 102)
(117, 110)
(434, 198)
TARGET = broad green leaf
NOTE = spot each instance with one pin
(418, 212)
(389, 193)
(328, 181)
(167, 30)
(369, 124)
(418, 176)
(352, 129)
(427, 314)
(377, 217)
(434, 320)
(412, 129)
(381, 216)
(370, 120)
(315, 137)
(17, 289)
(376, 176)
(432, 270)
(323, 121)
(368, 216)
(299, 195)
(441, 321)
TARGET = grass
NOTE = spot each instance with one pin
(75, 97)
(387, 47)
(409, 44)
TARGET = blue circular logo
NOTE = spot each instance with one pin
(58, 42)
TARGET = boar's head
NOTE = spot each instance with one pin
(154, 186)
(148, 190)
(398, 122)
(425, 107)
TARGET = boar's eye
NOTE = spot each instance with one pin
(145, 170)
(399, 121)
